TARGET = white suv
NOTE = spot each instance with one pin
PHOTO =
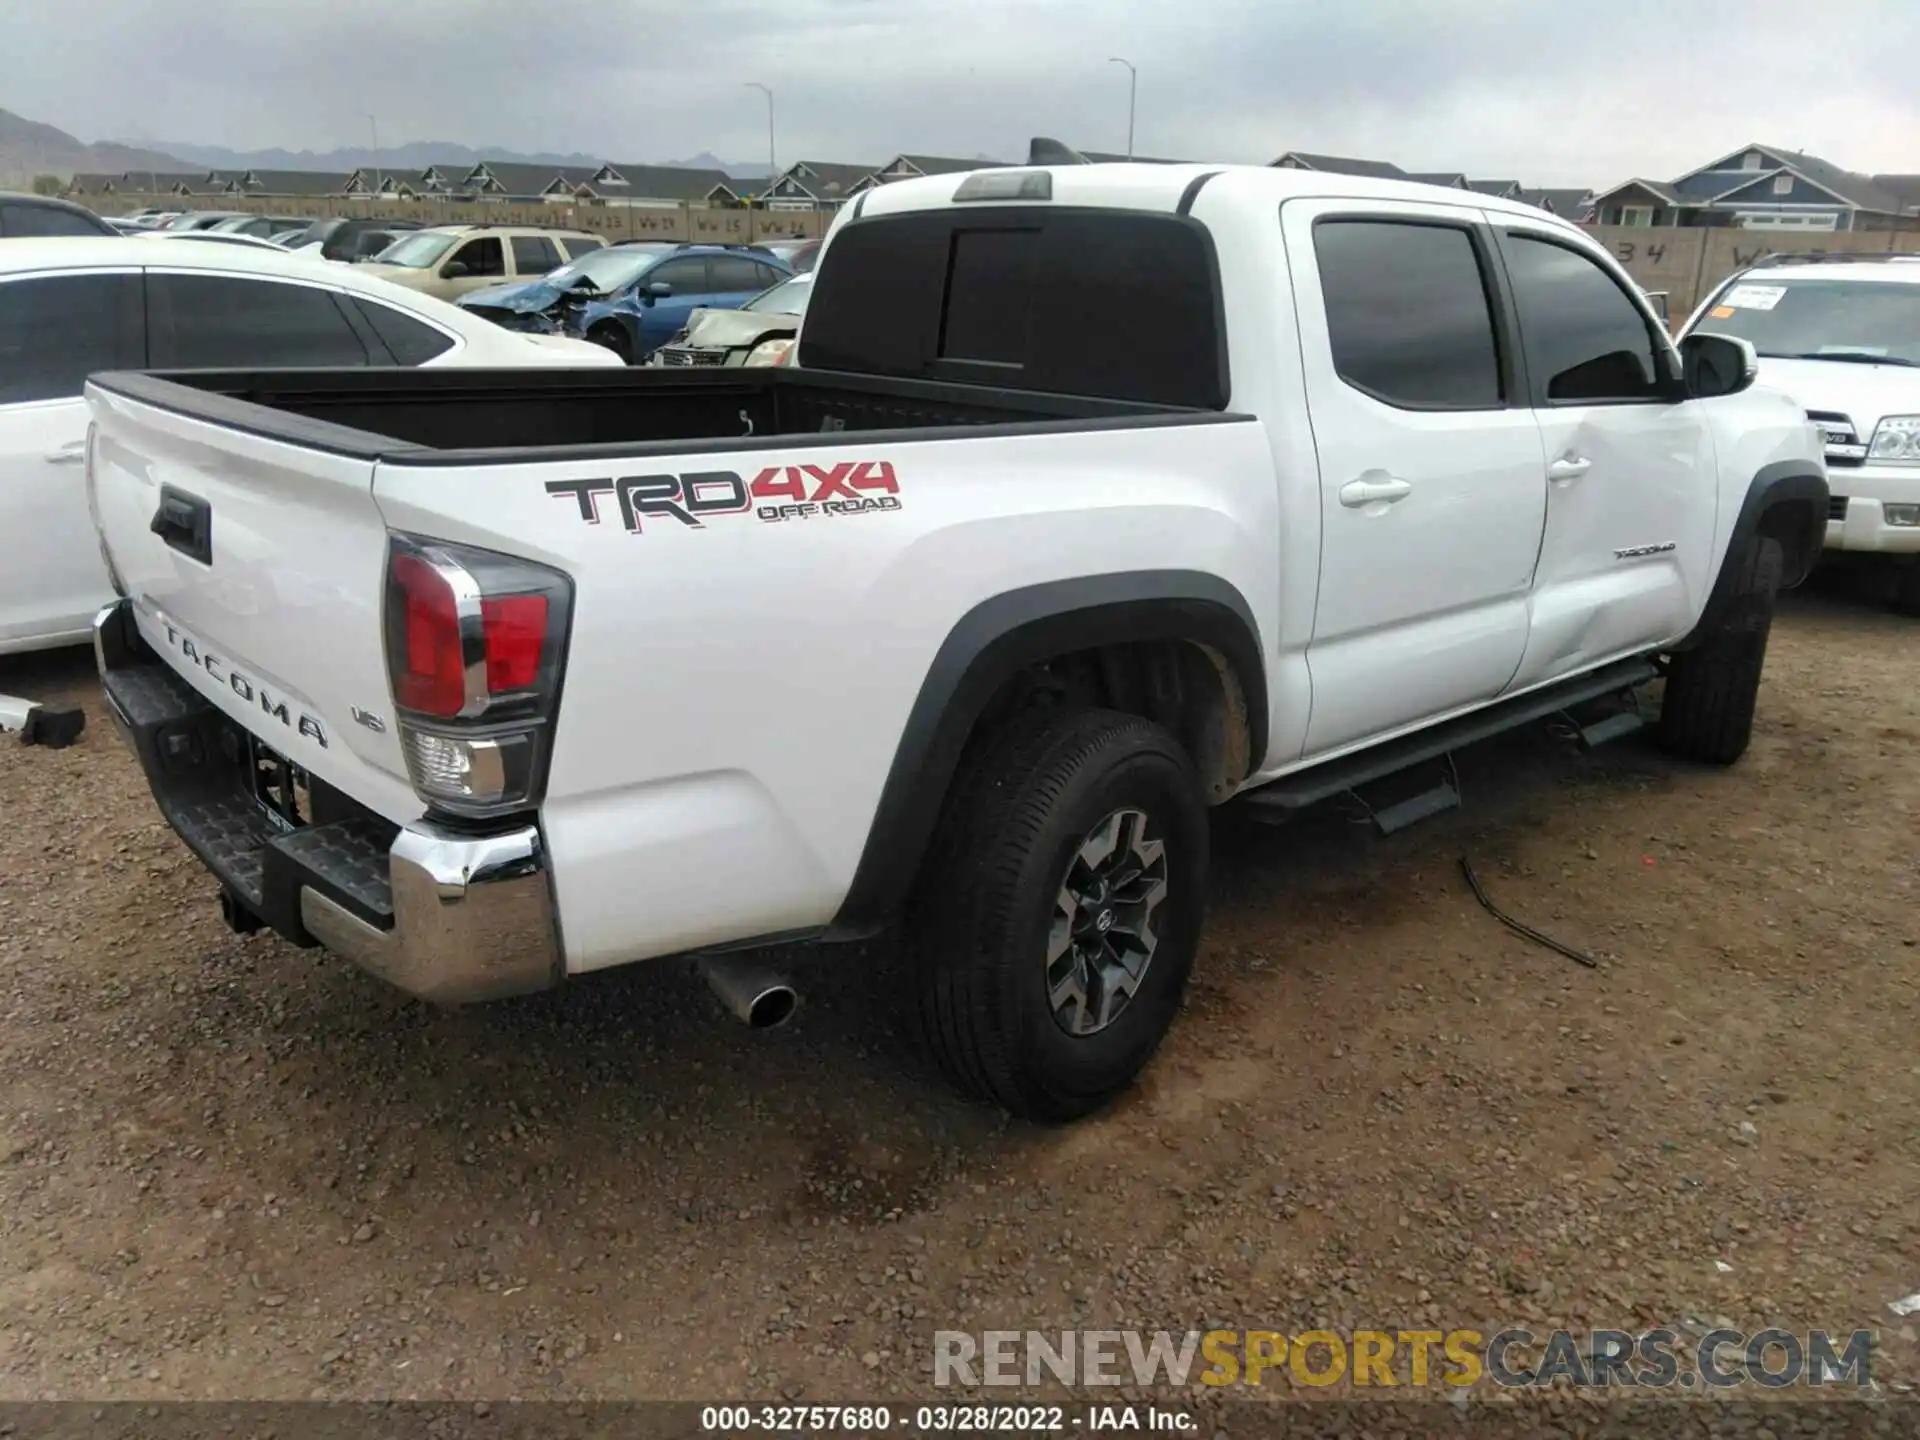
(70, 307)
(1841, 334)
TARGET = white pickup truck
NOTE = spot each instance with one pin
(1099, 494)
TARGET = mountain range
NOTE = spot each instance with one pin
(28, 148)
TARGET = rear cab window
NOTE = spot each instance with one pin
(1033, 298)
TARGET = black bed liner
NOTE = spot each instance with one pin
(462, 416)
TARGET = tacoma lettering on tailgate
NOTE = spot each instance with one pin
(795, 492)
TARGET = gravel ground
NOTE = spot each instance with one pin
(229, 1168)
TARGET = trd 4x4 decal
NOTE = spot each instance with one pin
(779, 492)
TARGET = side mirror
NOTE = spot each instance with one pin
(659, 290)
(1717, 365)
(454, 270)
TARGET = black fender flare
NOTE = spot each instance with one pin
(1774, 495)
(990, 644)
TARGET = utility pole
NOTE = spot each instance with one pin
(773, 165)
(1133, 82)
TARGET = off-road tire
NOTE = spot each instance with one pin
(1708, 710)
(1018, 812)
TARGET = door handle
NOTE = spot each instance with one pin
(1569, 467)
(1357, 493)
(67, 454)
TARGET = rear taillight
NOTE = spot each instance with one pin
(475, 643)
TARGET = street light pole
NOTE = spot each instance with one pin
(773, 165)
(1133, 82)
(374, 125)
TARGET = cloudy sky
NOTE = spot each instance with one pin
(1545, 91)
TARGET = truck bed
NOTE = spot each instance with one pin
(426, 416)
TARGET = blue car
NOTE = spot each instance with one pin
(631, 298)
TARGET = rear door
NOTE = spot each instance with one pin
(1432, 498)
(55, 329)
(736, 279)
(1630, 482)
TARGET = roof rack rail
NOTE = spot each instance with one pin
(1830, 257)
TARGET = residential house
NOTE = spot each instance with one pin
(1568, 204)
(814, 185)
(93, 184)
(1499, 189)
(306, 184)
(1445, 179)
(510, 180)
(1340, 165)
(168, 182)
(1761, 187)
(657, 185)
(913, 167)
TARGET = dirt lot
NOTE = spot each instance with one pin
(231, 1168)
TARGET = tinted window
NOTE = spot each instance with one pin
(411, 341)
(25, 220)
(56, 332)
(535, 254)
(581, 244)
(687, 277)
(733, 273)
(990, 295)
(894, 303)
(481, 257)
(1408, 314)
(220, 320)
(1584, 336)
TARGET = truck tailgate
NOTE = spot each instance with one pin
(257, 570)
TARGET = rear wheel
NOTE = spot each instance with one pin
(1711, 689)
(614, 339)
(1058, 910)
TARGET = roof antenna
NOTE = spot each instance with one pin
(1042, 151)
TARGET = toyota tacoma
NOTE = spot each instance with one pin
(963, 621)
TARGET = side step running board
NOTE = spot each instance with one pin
(1336, 777)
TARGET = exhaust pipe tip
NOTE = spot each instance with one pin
(773, 1008)
(755, 994)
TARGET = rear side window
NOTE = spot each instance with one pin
(22, 221)
(413, 342)
(687, 276)
(534, 254)
(57, 331)
(1107, 303)
(734, 273)
(581, 244)
(1408, 314)
(1583, 335)
(223, 321)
